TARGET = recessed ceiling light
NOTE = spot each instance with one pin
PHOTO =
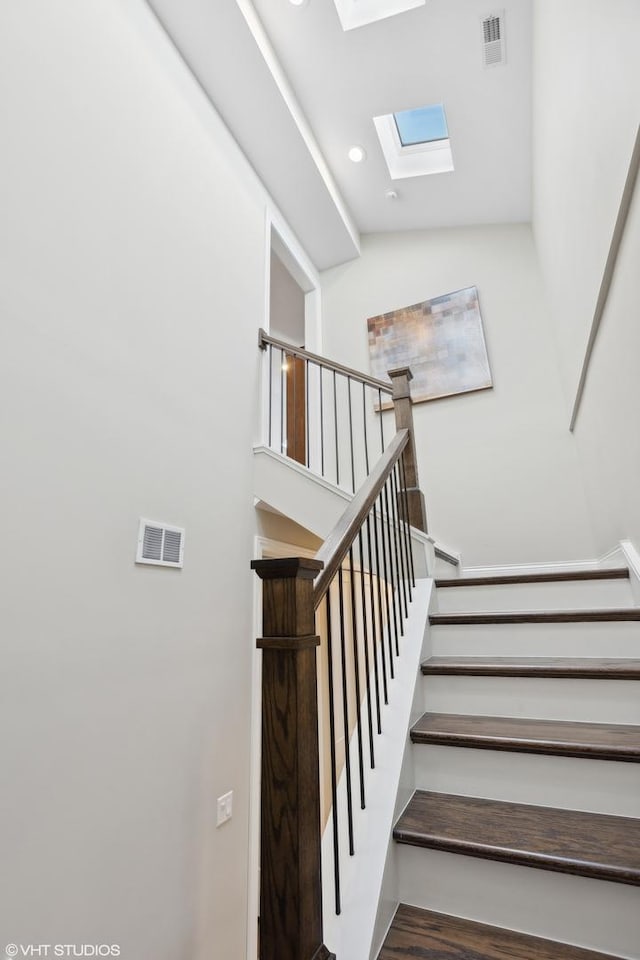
(356, 154)
(298, 3)
(391, 194)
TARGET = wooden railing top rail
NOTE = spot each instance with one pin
(264, 339)
(336, 546)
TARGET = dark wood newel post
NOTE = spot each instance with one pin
(403, 407)
(290, 871)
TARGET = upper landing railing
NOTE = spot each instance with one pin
(322, 414)
(350, 601)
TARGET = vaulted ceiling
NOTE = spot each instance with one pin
(297, 91)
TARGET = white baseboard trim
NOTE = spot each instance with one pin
(515, 569)
(623, 554)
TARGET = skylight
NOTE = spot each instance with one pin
(358, 13)
(422, 125)
(415, 142)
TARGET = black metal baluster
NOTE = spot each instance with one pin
(365, 638)
(335, 423)
(282, 403)
(294, 380)
(356, 671)
(394, 556)
(321, 370)
(395, 579)
(364, 424)
(345, 712)
(306, 411)
(379, 591)
(373, 625)
(399, 534)
(404, 528)
(406, 513)
(270, 387)
(332, 747)
(353, 466)
(396, 534)
(387, 605)
(384, 506)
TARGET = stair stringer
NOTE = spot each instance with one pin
(286, 487)
(368, 880)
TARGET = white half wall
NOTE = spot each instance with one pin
(133, 252)
(586, 95)
(499, 468)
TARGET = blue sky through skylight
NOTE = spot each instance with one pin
(421, 125)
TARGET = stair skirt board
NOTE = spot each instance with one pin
(594, 914)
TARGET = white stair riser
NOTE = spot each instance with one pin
(595, 701)
(591, 913)
(537, 640)
(569, 595)
(573, 783)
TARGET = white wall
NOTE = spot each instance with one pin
(586, 92)
(607, 427)
(130, 234)
(498, 468)
(586, 85)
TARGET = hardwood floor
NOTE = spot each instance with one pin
(598, 741)
(566, 841)
(417, 934)
(616, 573)
(604, 615)
(597, 668)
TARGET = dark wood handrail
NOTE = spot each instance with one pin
(336, 546)
(264, 339)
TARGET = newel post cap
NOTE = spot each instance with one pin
(288, 568)
(400, 378)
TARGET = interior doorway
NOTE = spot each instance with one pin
(287, 323)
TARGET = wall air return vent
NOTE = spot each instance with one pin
(160, 544)
(493, 45)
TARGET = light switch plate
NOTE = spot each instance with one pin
(225, 808)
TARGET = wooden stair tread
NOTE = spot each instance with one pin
(599, 741)
(615, 573)
(567, 667)
(567, 841)
(601, 615)
(425, 935)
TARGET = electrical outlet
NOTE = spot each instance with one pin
(225, 808)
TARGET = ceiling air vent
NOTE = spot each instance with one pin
(493, 45)
(160, 544)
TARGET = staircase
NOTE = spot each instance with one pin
(522, 838)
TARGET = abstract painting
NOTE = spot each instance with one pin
(441, 340)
